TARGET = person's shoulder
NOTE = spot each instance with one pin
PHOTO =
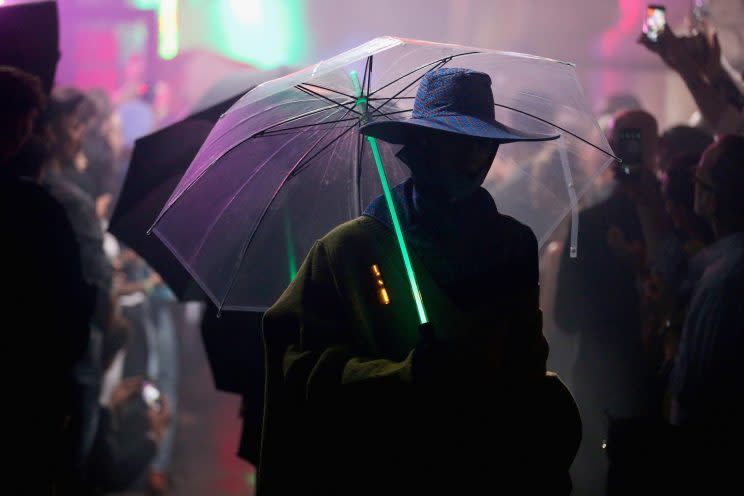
(516, 230)
(27, 193)
(350, 232)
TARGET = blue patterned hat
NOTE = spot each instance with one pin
(453, 100)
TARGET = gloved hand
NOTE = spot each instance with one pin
(491, 348)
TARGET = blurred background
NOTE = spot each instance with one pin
(147, 64)
(191, 44)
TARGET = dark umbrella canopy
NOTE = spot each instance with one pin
(158, 162)
(29, 39)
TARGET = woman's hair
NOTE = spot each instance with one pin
(727, 174)
(22, 94)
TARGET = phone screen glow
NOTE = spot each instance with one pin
(655, 22)
(151, 395)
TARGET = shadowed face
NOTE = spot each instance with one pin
(468, 155)
(453, 164)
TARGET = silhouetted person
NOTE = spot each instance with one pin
(46, 296)
(63, 127)
(357, 402)
(707, 384)
(598, 300)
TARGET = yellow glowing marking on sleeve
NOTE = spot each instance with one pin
(384, 298)
(382, 293)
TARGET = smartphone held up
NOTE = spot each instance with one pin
(655, 22)
(629, 150)
(151, 396)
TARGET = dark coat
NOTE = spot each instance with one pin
(356, 405)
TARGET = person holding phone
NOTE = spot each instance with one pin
(598, 302)
(131, 427)
(655, 22)
(697, 58)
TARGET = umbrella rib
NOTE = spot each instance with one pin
(306, 114)
(298, 129)
(235, 195)
(370, 60)
(388, 114)
(318, 95)
(295, 118)
(268, 109)
(367, 74)
(441, 64)
(440, 61)
(325, 147)
(508, 108)
(304, 126)
(247, 244)
(328, 89)
(557, 127)
(358, 174)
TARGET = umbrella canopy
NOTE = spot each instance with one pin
(287, 162)
(158, 162)
(29, 38)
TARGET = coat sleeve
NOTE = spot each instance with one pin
(308, 331)
(320, 392)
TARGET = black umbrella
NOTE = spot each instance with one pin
(29, 39)
(157, 164)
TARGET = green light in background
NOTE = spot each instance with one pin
(291, 259)
(145, 4)
(167, 24)
(264, 33)
(168, 29)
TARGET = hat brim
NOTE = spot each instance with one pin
(402, 131)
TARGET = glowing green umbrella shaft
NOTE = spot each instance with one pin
(362, 102)
(291, 261)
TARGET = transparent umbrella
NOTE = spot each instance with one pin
(287, 162)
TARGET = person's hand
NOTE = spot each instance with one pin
(482, 350)
(632, 252)
(494, 336)
(124, 391)
(119, 280)
(155, 279)
(712, 68)
(643, 188)
(675, 51)
(128, 256)
(160, 419)
(151, 282)
(103, 202)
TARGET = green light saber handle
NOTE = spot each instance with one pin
(291, 260)
(362, 101)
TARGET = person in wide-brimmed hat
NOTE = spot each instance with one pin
(356, 401)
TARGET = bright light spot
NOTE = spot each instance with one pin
(168, 28)
(384, 297)
(264, 33)
(247, 11)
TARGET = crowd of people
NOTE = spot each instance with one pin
(99, 321)
(654, 304)
(653, 307)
